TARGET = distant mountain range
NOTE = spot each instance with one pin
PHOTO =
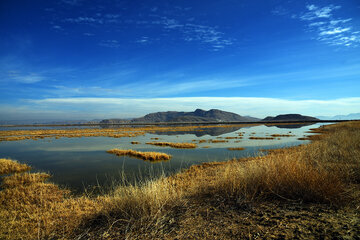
(289, 117)
(199, 115)
(351, 116)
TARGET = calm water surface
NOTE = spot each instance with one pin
(83, 162)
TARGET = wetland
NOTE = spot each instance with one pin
(78, 158)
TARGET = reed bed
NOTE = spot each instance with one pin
(148, 156)
(35, 134)
(282, 135)
(174, 145)
(236, 148)
(261, 138)
(217, 141)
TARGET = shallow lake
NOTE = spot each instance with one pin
(80, 163)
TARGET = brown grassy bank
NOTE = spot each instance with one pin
(309, 191)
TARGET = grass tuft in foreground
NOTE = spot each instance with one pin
(9, 166)
(30, 208)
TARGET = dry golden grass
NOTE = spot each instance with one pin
(135, 142)
(232, 138)
(10, 166)
(236, 148)
(303, 138)
(16, 135)
(148, 156)
(261, 138)
(33, 209)
(174, 145)
(23, 179)
(282, 135)
(218, 141)
(35, 134)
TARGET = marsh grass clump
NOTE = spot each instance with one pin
(232, 138)
(282, 135)
(217, 141)
(174, 145)
(236, 148)
(303, 138)
(149, 156)
(261, 138)
(8, 166)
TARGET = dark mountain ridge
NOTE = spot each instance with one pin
(199, 115)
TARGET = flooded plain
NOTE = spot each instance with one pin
(83, 162)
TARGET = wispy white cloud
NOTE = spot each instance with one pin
(24, 78)
(143, 40)
(57, 27)
(330, 30)
(156, 88)
(210, 37)
(191, 32)
(85, 20)
(315, 12)
(334, 31)
(110, 43)
(72, 2)
(258, 107)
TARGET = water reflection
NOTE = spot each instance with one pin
(216, 131)
(289, 126)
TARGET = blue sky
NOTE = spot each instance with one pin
(77, 59)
